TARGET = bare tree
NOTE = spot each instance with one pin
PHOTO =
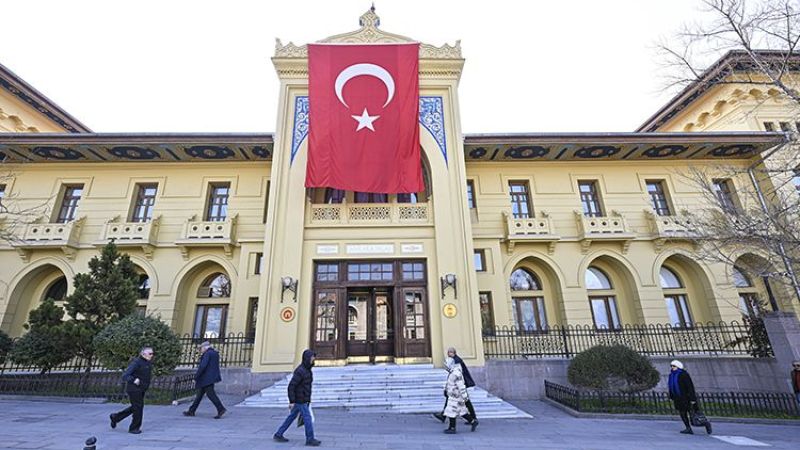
(747, 43)
(15, 215)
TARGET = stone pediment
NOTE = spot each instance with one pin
(369, 33)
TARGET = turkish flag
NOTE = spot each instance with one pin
(363, 118)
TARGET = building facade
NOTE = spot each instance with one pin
(522, 230)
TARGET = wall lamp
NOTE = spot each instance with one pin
(289, 284)
(449, 280)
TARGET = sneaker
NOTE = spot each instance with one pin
(188, 414)
(135, 431)
(450, 431)
(279, 438)
(474, 424)
(313, 443)
(220, 414)
(708, 428)
(438, 416)
(687, 431)
(113, 421)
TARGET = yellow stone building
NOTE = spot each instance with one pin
(526, 230)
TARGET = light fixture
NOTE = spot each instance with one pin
(449, 280)
(288, 284)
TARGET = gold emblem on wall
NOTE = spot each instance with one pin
(450, 310)
(287, 314)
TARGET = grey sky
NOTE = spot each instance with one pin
(583, 65)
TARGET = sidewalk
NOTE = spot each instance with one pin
(49, 425)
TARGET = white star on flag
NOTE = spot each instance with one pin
(365, 120)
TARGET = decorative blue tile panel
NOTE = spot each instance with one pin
(431, 116)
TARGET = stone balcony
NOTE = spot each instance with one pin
(603, 228)
(132, 234)
(63, 236)
(674, 227)
(198, 233)
(369, 214)
(530, 229)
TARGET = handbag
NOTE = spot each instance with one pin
(697, 418)
(301, 422)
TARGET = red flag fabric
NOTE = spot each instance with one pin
(363, 118)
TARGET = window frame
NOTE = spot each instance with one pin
(479, 254)
(591, 200)
(471, 201)
(2, 196)
(206, 307)
(252, 319)
(212, 202)
(486, 305)
(69, 203)
(258, 263)
(539, 309)
(145, 202)
(517, 200)
(612, 314)
(769, 126)
(725, 192)
(659, 200)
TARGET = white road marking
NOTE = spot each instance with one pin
(741, 440)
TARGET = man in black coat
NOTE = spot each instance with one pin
(207, 374)
(137, 380)
(468, 382)
(300, 399)
(683, 395)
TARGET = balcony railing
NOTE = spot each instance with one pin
(679, 226)
(198, 233)
(64, 236)
(127, 234)
(532, 229)
(370, 214)
(603, 228)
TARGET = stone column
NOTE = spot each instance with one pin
(783, 329)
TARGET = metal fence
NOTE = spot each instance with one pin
(107, 385)
(566, 341)
(724, 404)
(235, 350)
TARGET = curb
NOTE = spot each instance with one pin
(746, 420)
(44, 398)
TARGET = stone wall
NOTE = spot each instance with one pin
(242, 381)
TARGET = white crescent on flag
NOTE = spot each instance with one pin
(364, 69)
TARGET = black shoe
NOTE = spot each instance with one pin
(687, 431)
(279, 438)
(450, 431)
(113, 421)
(474, 424)
(438, 416)
(220, 414)
(188, 413)
(708, 428)
(313, 443)
(135, 431)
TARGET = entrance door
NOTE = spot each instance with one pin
(370, 323)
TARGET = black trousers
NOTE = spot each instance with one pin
(136, 408)
(208, 391)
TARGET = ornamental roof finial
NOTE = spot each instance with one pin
(369, 19)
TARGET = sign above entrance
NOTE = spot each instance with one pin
(411, 248)
(327, 249)
(287, 314)
(370, 249)
(449, 310)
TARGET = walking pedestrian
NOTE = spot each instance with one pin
(468, 382)
(796, 380)
(137, 380)
(457, 396)
(300, 400)
(681, 391)
(205, 378)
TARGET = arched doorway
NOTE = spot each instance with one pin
(45, 281)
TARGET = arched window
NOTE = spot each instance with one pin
(58, 290)
(523, 280)
(676, 298)
(602, 300)
(217, 285)
(749, 302)
(528, 311)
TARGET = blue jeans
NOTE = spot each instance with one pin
(797, 394)
(299, 408)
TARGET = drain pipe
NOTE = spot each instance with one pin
(762, 201)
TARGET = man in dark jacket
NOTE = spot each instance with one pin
(796, 379)
(207, 374)
(681, 391)
(300, 399)
(468, 382)
(137, 380)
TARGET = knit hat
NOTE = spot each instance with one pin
(677, 364)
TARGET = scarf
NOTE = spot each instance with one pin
(674, 387)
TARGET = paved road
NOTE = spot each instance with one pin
(51, 425)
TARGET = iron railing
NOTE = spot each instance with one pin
(772, 405)
(567, 341)
(235, 350)
(107, 385)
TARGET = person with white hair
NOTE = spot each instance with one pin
(137, 380)
(457, 396)
(207, 375)
(681, 391)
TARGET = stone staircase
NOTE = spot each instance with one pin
(383, 388)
